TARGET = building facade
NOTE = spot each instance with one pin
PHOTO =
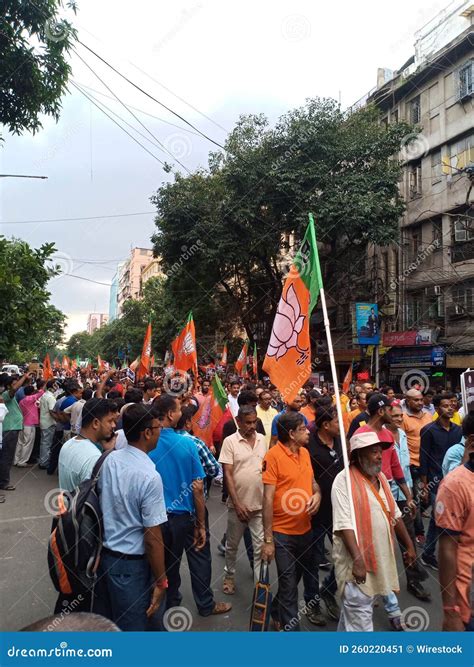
(424, 283)
(129, 280)
(151, 270)
(114, 291)
(96, 321)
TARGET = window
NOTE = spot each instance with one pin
(414, 310)
(416, 239)
(438, 233)
(463, 295)
(465, 80)
(415, 179)
(463, 229)
(436, 307)
(415, 110)
(436, 167)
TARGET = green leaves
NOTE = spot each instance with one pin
(257, 192)
(28, 320)
(33, 78)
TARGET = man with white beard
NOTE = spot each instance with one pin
(365, 566)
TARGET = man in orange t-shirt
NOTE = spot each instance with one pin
(348, 417)
(414, 419)
(291, 497)
(454, 515)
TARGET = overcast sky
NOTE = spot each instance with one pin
(209, 61)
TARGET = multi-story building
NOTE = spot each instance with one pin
(425, 282)
(130, 276)
(114, 291)
(96, 321)
(151, 270)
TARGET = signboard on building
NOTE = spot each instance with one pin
(367, 323)
(407, 338)
(417, 357)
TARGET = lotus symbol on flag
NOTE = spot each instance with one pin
(287, 325)
(188, 344)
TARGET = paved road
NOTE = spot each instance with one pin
(28, 595)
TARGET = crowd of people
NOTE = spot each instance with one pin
(289, 497)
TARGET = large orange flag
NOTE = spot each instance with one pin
(47, 370)
(288, 358)
(184, 347)
(144, 367)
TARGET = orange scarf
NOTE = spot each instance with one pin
(362, 513)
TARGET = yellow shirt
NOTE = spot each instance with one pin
(456, 419)
(266, 417)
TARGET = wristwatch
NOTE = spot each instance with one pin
(268, 540)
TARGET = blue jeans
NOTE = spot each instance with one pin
(47, 435)
(433, 530)
(178, 536)
(129, 584)
(294, 555)
(391, 606)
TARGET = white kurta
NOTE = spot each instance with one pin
(385, 580)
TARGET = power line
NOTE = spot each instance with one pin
(163, 147)
(92, 217)
(79, 87)
(89, 280)
(118, 124)
(216, 143)
(145, 113)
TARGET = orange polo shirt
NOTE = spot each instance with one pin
(292, 475)
(309, 412)
(412, 425)
(348, 417)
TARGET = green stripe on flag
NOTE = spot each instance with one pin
(306, 262)
(219, 392)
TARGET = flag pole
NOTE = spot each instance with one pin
(332, 362)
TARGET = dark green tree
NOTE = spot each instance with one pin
(34, 41)
(247, 213)
(28, 320)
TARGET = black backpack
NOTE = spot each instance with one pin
(75, 543)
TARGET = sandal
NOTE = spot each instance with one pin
(228, 587)
(221, 608)
(10, 487)
(2, 499)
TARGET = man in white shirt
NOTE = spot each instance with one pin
(47, 423)
(365, 567)
(234, 389)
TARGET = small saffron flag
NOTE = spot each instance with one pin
(184, 347)
(210, 412)
(144, 366)
(241, 363)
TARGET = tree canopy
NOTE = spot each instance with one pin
(29, 321)
(248, 211)
(34, 41)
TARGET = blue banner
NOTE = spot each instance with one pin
(231, 649)
(367, 323)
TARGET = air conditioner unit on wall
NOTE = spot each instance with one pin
(459, 310)
(437, 290)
